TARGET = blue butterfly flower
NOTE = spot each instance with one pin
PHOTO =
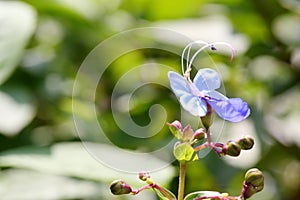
(194, 96)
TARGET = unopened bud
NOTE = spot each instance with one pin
(246, 142)
(176, 129)
(144, 175)
(255, 177)
(199, 134)
(176, 124)
(119, 187)
(207, 120)
(232, 149)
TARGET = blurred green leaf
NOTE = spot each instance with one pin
(163, 196)
(202, 193)
(72, 159)
(17, 25)
(26, 184)
(16, 112)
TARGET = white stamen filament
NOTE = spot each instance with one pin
(189, 61)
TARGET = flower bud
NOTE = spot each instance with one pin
(119, 187)
(246, 142)
(255, 177)
(144, 175)
(177, 124)
(232, 149)
(176, 129)
(207, 120)
(199, 134)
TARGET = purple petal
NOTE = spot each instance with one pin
(234, 110)
(207, 79)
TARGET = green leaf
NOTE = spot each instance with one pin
(194, 195)
(28, 184)
(184, 152)
(17, 25)
(73, 159)
(162, 196)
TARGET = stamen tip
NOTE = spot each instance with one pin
(213, 48)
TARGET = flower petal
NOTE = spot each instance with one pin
(207, 79)
(216, 95)
(234, 110)
(196, 106)
(178, 84)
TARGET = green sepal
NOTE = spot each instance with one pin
(175, 131)
(162, 196)
(198, 194)
(187, 134)
(184, 152)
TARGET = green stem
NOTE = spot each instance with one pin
(181, 180)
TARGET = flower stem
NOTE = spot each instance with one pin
(208, 136)
(181, 180)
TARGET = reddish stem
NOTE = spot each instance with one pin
(162, 191)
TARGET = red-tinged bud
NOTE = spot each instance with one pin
(177, 124)
(176, 129)
(144, 175)
(119, 187)
(199, 134)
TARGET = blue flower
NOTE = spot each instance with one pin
(194, 96)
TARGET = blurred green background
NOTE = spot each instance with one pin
(43, 43)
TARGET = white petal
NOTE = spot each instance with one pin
(207, 79)
(179, 84)
(194, 105)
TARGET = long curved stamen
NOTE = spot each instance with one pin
(211, 45)
(188, 48)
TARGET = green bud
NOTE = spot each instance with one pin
(207, 120)
(232, 149)
(246, 142)
(119, 187)
(255, 177)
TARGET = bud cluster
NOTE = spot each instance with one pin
(233, 148)
(186, 134)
